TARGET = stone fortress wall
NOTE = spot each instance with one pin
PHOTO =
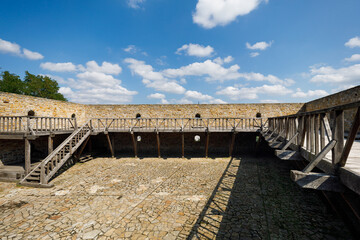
(19, 105)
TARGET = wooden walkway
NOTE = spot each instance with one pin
(319, 137)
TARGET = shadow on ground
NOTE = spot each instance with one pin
(255, 199)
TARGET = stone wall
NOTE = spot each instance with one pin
(189, 110)
(340, 98)
(19, 105)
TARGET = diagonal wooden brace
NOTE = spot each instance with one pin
(320, 156)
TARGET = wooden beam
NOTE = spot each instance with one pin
(158, 144)
(207, 144)
(110, 145)
(303, 131)
(27, 156)
(134, 143)
(316, 126)
(290, 141)
(78, 155)
(350, 140)
(50, 144)
(232, 144)
(320, 156)
(327, 127)
(338, 135)
(182, 144)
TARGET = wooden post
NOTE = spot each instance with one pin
(27, 156)
(207, 144)
(322, 131)
(182, 144)
(316, 133)
(350, 140)
(113, 143)
(232, 144)
(110, 145)
(338, 135)
(312, 134)
(158, 144)
(50, 144)
(134, 143)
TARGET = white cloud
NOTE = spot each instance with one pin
(32, 55)
(153, 79)
(235, 93)
(135, 3)
(156, 96)
(57, 78)
(254, 54)
(95, 88)
(353, 58)
(353, 42)
(327, 74)
(9, 47)
(13, 48)
(130, 49)
(259, 45)
(308, 94)
(269, 101)
(221, 61)
(213, 71)
(211, 13)
(106, 67)
(196, 50)
(59, 67)
(198, 96)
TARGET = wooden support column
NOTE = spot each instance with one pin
(207, 144)
(158, 144)
(338, 135)
(113, 143)
(232, 144)
(312, 134)
(134, 143)
(110, 145)
(322, 131)
(78, 155)
(350, 140)
(50, 144)
(182, 145)
(27, 156)
(316, 126)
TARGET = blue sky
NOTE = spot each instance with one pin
(199, 51)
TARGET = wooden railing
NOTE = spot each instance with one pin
(319, 132)
(44, 171)
(35, 125)
(176, 124)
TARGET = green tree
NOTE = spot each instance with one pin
(42, 86)
(11, 83)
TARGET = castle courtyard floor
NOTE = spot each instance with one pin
(151, 198)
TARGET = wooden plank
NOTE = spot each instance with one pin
(83, 147)
(27, 156)
(182, 145)
(338, 135)
(320, 156)
(158, 144)
(327, 127)
(350, 140)
(290, 141)
(207, 144)
(50, 144)
(232, 144)
(312, 133)
(110, 145)
(134, 143)
(317, 181)
(288, 155)
(303, 131)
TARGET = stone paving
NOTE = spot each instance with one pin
(127, 198)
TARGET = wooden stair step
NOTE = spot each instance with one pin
(32, 178)
(276, 145)
(317, 181)
(288, 155)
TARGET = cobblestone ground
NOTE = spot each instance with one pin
(248, 198)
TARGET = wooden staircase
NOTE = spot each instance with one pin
(40, 174)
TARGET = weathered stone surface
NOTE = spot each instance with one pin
(106, 198)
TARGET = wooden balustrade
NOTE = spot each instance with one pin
(35, 125)
(314, 131)
(176, 124)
